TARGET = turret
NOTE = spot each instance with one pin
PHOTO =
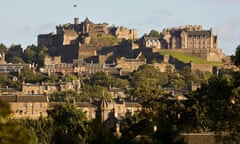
(76, 21)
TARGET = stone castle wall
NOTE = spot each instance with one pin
(201, 67)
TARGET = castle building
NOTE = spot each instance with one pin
(149, 42)
(124, 33)
(15, 50)
(69, 40)
(192, 39)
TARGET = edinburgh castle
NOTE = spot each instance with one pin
(84, 42)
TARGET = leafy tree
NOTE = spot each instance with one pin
(35, 54)
(70, 124)
(118, 82)
(3, 48)
(11, 132)
(7, 81)
(236, 58)
(151, 123)
(100, 134)
(41, 128)
(28, 75)
(15, 60)
(148, 76)
(67, 96)
(94, 92)
(154, 33)
(218, 104)
(101, 79)
(144, 93)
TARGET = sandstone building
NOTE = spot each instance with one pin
(27, 106)
(192, 39)
(70, 40)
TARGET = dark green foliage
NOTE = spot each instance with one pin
(11, 132)
(70, 124)
(94, 92)
(148, 76)
(42, 129)
(67, 96)
(15, 60)
(3, 48)
(219, 106)
(6, 81)
(35, 54)
(140, 128)
(102, 79)
(100, 134)
(236, 58)
(154, 33)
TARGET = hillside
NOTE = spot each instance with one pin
(186, 58)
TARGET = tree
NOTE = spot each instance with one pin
(154, 33)
(70, 124)
(41, 128)
(148, 76)
(11, 132)
(94, 92)
(3, 48)
(100, 134)
(152, 124)
(236, 58)
(218, 105)
(35, 54)
(100, 79)
(15, 60)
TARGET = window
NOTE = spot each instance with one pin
(40, 105)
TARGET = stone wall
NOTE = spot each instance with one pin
(48, 60)
(201, 67)
(199, 138)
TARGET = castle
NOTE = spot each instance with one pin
(192, 39)
(85, 42)
(70, 39)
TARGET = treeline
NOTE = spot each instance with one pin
(32, 54)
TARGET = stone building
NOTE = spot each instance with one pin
(116, 109)
(124, 33)
(7, 68)
(129, 65)
(15, 50)
(49, 88)
(27, 106)
(192, 39)
(50, 60)
(88, 108)
(149, 42)
(71, 40)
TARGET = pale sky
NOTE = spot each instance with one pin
(23, 20)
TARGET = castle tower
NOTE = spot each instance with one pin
(76, 21)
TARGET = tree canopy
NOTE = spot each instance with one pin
(154, 33)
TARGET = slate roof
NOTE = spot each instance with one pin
(25, 98)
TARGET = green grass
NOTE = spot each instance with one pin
(186, 58)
